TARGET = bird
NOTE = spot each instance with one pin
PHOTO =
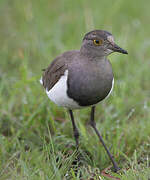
(82, 78)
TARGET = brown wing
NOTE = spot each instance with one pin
(53, 73)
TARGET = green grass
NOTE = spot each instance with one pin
(36, 140)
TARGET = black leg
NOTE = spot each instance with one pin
(93, 124)
(75, 130)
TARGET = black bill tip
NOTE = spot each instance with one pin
(123, 51)
(116, 48)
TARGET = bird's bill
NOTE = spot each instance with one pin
(116, 48)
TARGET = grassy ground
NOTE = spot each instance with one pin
(36, 140)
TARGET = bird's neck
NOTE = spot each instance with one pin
(91, 54)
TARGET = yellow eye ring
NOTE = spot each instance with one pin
(98, 42)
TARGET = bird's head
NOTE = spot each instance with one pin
(100, 43)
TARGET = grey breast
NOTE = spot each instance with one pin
(89, 82)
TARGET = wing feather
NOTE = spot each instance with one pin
(53, 73)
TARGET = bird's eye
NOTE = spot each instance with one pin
(98, 42)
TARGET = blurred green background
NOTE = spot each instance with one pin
(35, 135)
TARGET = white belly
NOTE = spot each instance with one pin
(58, 94)
(111, 89)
